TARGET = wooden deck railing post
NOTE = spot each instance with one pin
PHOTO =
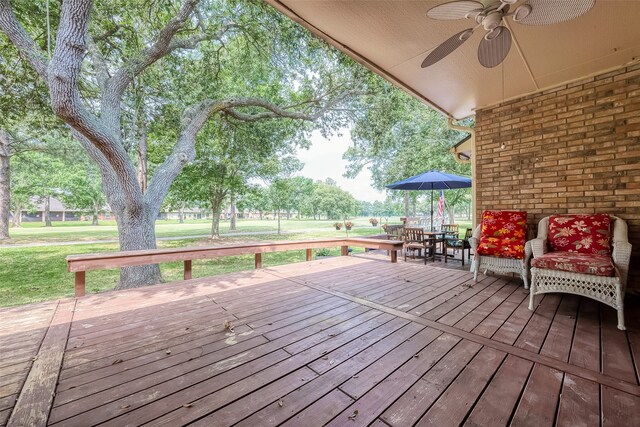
(394, 256)
(80, 283)
(258, 260)
(309, 255)
(187, 269)
(345, 250)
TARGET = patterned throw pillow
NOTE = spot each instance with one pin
(503, 234)
(587, 234)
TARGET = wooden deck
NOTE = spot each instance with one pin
(348, 341)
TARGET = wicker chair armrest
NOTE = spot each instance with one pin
(474, 240)
(528, 253)
(538, 247)
(621, 257)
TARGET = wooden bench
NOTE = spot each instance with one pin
(79, 264)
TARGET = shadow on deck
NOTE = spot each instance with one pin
(343, 341)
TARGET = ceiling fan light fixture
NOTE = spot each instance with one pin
(465, 35)
(493, 33)
(521, 12)
(473, 14)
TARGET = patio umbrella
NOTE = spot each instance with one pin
(432, 180)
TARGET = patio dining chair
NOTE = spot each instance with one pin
(394, 232)
(416, 240)
(457, 243)
(499, 244)
(584, 255)
(451, 229)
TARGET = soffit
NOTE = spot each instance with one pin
(393, 37)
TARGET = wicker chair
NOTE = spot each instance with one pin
(605, 284)
(498, 264)
(415, 240)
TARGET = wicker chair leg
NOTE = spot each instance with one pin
(532, 293)
(620, 308)
(475, 267)
(525, 278)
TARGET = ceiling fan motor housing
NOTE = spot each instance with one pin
(492, 20)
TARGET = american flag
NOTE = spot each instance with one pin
(441, 207)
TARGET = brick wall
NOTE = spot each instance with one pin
(571, 149)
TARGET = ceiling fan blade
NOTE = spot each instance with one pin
(494, 47)
(448, 46)
(453, 10)
(546, 12)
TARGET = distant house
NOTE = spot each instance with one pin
(58, 211)
(189, 213)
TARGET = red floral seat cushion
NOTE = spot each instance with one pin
(576, 262)
(587, 234)
(503, 234)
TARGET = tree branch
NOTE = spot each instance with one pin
(109, 178)
(22, 40)
(195, 117)
(125, 75)
(99, 63)
(63, 77)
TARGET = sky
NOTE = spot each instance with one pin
(324, 160)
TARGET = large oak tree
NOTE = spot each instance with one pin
(98, 59)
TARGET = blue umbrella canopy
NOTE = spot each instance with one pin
(432, 180)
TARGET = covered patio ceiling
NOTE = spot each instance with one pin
(393, 37)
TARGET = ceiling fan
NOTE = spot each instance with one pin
(491, 15)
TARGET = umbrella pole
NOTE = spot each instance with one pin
(431, 208)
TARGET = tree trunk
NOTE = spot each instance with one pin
(216, 208)
(5, 184)
(47, 211)
(261, 214)
(232, 225)
(452, 215)
(181, 215)
(96, 209)
(16, 222)
(288, 214)
(406, 204)
(137, 232)
(413, 206)
(142, 153)
(279, 232)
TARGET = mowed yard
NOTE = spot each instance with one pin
(39, 273)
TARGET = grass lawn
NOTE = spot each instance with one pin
(35, 232)
(32, 274)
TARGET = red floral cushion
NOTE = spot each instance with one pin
(503, 234)
(587, 234)
(576, 262)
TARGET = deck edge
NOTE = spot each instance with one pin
(36, 396)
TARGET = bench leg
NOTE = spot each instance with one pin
(394, 256)
(309, 255)
(80, 284)
(258, 260)
(187, 269)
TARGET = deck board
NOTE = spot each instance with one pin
(341, 341)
